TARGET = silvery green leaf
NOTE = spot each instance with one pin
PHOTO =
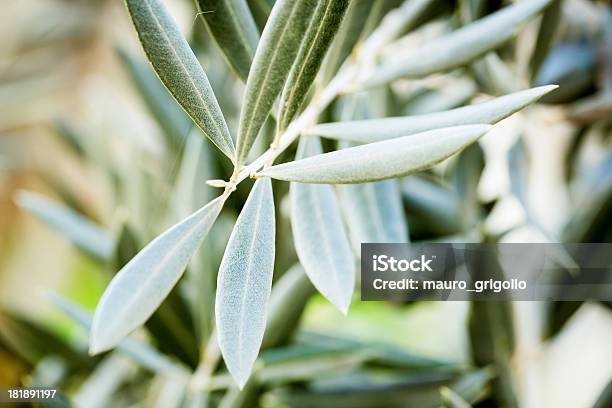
(320, 239)
(140, 287)
(79, 230)
(323, 26)
(381, 160)
(276, 52)
(374, 130)
(232, 26)
(244, 282)
(179, 69)
(374, 211)
(142, 353)
(457, 48)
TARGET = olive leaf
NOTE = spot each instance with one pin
(381, 160)
(82, 232)
(320, 239)
(276, 52)
(179, 69)
(457, 48)
(317, 39)
(232, 26)
(374, 130)
(244, 283)
(373, 210)
(140, 287)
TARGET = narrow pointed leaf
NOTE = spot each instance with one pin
(374, 130)
(320, 239)
(275, 55)
(459, 47)
(179, 69)
(140, 287)
(318, 37)
(374, 211)
(381, 160)
(244, 283)
(232, 26)
(82, 232)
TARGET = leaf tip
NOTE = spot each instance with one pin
(241, 381)
(95, 346)
(545, 89)
(240, 374)
(99, 341)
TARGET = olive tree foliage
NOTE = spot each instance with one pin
(287, 80)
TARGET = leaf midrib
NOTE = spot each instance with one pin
(239, 30)
(248, 276)
(191, 80)
(263, 80)
(301, 69)
(341, 161)
(155, 273)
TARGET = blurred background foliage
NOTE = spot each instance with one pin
(85, 123)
